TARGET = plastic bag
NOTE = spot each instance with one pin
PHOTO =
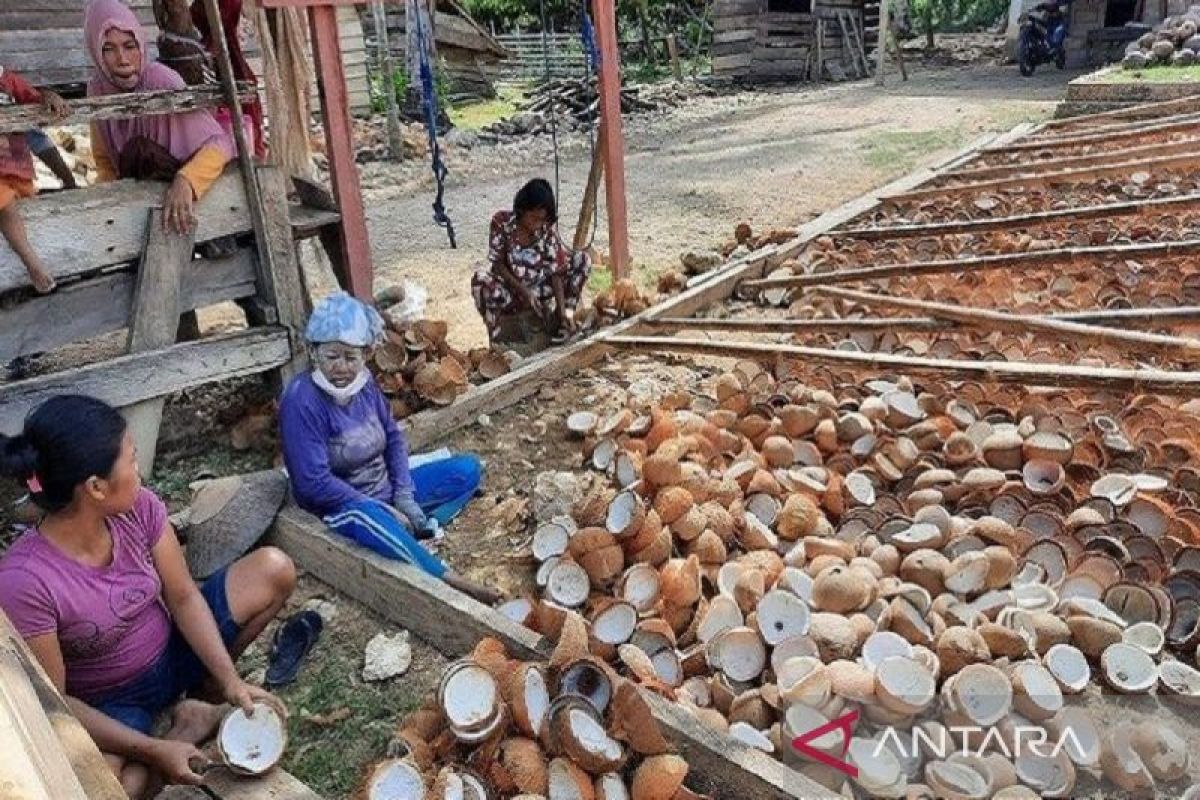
(412, 307)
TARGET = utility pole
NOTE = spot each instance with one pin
(612, 137)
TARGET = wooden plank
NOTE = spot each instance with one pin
(154, 322)
(90, 768)
(454, 623)
(1038, 259)
(1019, 221)
(82, 231)
(797, 326)
(739, 35)
(18, 119)
(1154, 109)
(1052, 164)
(90, 308)
(1005, 320)
(1186, 384)
(1046, 178)
(276, 785)
(129, 379)
(732, 62)
(281, 285)
(1113, 133)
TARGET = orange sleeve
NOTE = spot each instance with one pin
(203, 169)
(105, 171)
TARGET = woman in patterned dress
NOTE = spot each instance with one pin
(528, 267)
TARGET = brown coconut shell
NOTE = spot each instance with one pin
(633, 722)
(658, 778)
(600, 555)
(525, 764)
(572, 641)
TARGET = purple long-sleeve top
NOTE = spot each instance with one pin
(341, 454)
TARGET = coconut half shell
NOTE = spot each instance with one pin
(393, 779)
(252, 745)
(1128, 669)
(658, 778)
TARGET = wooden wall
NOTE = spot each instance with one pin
(354, 58)
(43, 39)
(752, 43)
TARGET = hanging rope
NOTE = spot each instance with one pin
(429, 103)
(587, 37)
(553, 105)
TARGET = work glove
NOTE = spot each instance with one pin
(406, 504)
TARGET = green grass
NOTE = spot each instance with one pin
(476, 116)
(600, 280)
(1159, 74)
(900, 151)
(172, 475)
(1005, 116)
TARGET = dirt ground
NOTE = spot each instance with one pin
(773, 158)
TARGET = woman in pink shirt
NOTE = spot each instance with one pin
(101, 593)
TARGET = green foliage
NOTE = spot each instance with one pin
(955, 15)
(379, 91)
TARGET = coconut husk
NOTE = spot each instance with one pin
(633, 722)
(228, 516)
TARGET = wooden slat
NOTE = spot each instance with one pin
(1050, 165)
(129, 379)
(94, 307)
(1151, 110)
(18, 119)
(1186, 384)
(454, 623)
(1114, 133)
(276, 785)
(87, 229)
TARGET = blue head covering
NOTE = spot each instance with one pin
(342, 318)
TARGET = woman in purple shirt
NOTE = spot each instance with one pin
(101, 593)
(347, 458)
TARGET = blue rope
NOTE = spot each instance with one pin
(429, 102)
(587, 35)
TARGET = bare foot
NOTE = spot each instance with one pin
(43, 282)
(194, 721)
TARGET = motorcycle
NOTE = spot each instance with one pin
(1043, 37)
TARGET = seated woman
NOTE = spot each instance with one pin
(188, 149)
(528, 268)
(347, 458)
(101, 593)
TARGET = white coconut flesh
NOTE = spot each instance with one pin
(762, 532)
(562, 785)
(625, 470)
(1083, 743)
(1095, 609)
(640, 587)
(904, 685)
(1035, 597)
(1145, 636)
(604, 454)
(878, 767)
(956, 780)
(396, 780)
(1069, 666)
(795, 647)
(518, 609)
(253, 744)
(1117, 489)
(469, 698)
(1039, 687)
(591, 737)
(581, 423)
(983, 693)
(804, 680)
(741, 653)
(764, 507)
(1128, 669)
(1048, 775)
(800, 719)
(723, 614)
(609, 786)
(615, 624)
(542, 578)
(1077, 587)
(749, 735)
(668, 667)
(915, 537)
(782, 615)
(621, 513)
(549, 540)
(1179, 678)
(537, 699)
(797, 581)
(860, 488)
(882, 645)
(568, 584)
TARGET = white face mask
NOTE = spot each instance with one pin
(344, 394)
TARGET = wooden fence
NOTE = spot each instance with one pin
(562, 54)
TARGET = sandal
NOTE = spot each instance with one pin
(293, 641)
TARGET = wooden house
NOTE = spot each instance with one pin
(468, 54)
(1099, 30)
(756, 40)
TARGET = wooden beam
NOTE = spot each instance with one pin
(280, 283)
(129, 379)
(1185, 384)
(1113, 133)
(1188, 145)
(604, 14)
(100, 305)
(1043, 178)
(1132, 208)
(275, 785)
(1037, 259)
(1004, 320)
(96, 227)
(1140, 111)
(20, 118)
(454, 623)
(154, 322)
(587, 209)
(339, 144)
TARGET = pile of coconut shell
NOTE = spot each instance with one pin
(570, 729)
(620, 301)
(1174, 42)
(773, 556)
(416, 367)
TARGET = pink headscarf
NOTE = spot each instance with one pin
(182, 134)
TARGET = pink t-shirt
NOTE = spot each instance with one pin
(111, 621)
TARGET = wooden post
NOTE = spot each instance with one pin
(383, 45)
(673, 54)
(339, 140)
(881, 46)
(587, 209)
(605, 13)
(154, 322)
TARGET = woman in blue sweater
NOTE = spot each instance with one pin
(347, 458)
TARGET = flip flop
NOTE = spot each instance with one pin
(293, 641)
